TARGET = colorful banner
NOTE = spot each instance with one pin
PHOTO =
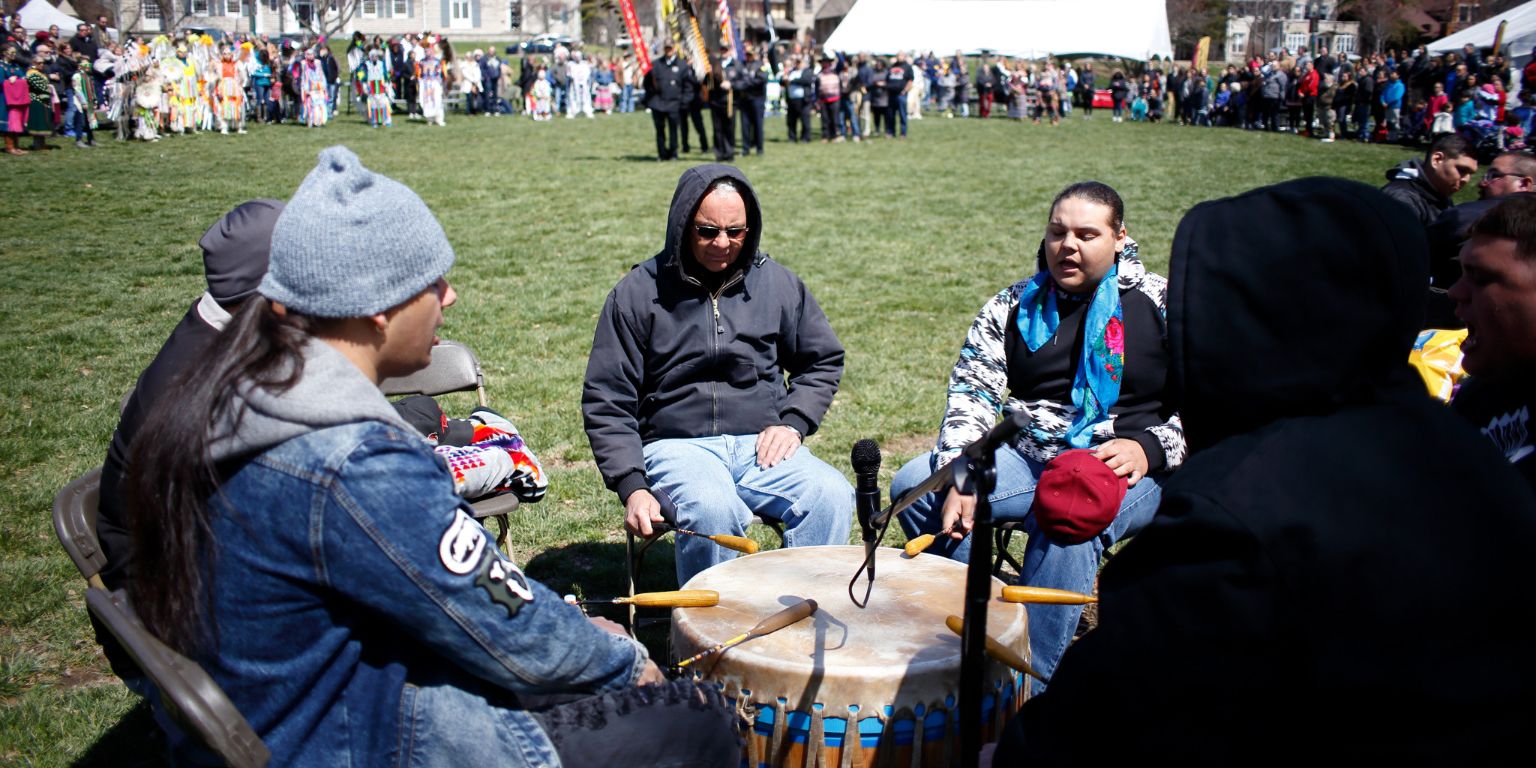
(1202, 54)
(728, 30)
(636, 37)
(1498, 38)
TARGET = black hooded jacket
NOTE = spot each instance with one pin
(1408, 183)
(672, 360)
(1339, 570)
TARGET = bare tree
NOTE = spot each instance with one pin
(1380, 20)
(1190, 20)
(324, 17)
(1266, 30)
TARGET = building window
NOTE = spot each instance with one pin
(1295, 41)
(199, 7)
(1344, 44)
(370, 9)
(1298, 11)
(1237, 43)
(400, 8)
(1466, 13)
(151, 10)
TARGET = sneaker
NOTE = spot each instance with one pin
(1327, 140)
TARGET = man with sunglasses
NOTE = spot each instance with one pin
(711, 363)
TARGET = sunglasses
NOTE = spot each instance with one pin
(707, 232)
(1494, 174)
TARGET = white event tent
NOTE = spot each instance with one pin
(1519, 36)
(1131, 29)
(38, 15)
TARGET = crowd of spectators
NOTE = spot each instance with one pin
(185, 83)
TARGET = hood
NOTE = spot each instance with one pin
(1413, 171)
(685, 202)
(1291, 300)
(330, 392)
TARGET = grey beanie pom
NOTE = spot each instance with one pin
(353, 243)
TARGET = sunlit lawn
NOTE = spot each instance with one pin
(901, 242)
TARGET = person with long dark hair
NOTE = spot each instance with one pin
(1080, 347)
(294, 535)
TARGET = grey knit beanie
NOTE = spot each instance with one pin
(353, 243)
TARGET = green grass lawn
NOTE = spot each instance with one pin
(902, 242)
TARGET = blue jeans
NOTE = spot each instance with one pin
(717, 486)
(627, 99)
(1046, 563)
(330, 98)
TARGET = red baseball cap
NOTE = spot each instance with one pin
(1077, 498)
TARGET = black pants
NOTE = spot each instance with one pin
(696, 115)
(680, 724)
(1271, 114)
(751, 110)
(725, 144)
(1308, 111)
(667, 125)
(799, 120)
(830, 128)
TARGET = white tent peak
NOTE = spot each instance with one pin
(38, 15)
(1131, 29)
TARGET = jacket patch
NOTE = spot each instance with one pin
(462, 544)
(506, 585)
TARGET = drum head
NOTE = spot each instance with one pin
(897, 649)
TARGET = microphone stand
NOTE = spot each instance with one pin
(977, 475)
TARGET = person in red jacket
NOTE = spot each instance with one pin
(1306, 88)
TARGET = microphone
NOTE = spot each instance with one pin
(866, 470)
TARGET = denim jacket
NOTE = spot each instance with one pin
(362, 617)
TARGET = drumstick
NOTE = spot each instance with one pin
(737, 543)
(1046, 596)
(916, 546)
(767, 626)
(997, 650)
(681, 598)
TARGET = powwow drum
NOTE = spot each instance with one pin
(849, 686)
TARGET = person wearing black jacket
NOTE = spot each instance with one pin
(235, 252)
(693, 111)
(710, 364)
(799, 83)
(1334, 567)
(986, 79)
(664, 92)
(718, 90)
(749, 87)
(1426, 187)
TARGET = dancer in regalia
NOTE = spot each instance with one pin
(429, 76)
(373, 79)
(230, 90)
(312, 90)
(181, 86)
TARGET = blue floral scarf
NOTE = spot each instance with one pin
(1097, 384)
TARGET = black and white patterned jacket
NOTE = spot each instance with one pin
(979, 389)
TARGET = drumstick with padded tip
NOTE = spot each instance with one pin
(740, 544)
(1046, 596)
(997, 650)
(678, 598)
(916, 546)
(767, 626)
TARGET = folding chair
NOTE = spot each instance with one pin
(454, 368)
(192, 700)
(74, 520)
(634, 556)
